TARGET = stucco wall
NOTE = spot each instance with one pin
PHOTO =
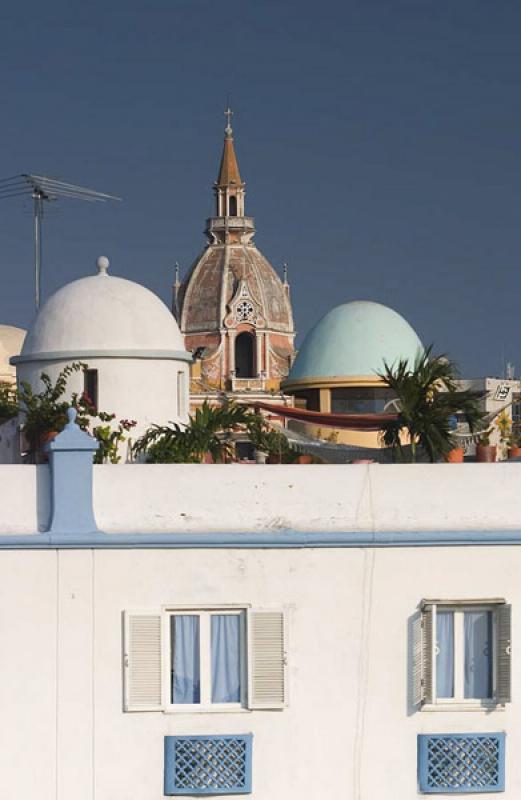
(141, 389)
(349, 730)
(193, 498)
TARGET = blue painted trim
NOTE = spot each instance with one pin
(423, 764)
(170, 787)
(70, 454)
(285, 540)
(78, 355)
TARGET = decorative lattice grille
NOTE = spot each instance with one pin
(471, 762)
(208, 764)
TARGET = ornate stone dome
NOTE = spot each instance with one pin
(232, 283)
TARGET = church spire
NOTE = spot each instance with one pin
(229, 189)
(229, 174)
(229, 225)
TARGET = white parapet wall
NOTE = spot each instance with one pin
(193, 498)
(206, 498)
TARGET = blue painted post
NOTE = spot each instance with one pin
(70, 455)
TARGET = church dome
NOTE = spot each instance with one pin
(354, 339)
(103, 315)
(212, 284)
(11, 341)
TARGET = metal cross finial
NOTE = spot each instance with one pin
(228, 114)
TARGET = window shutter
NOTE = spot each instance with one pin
(504, 657)
(267, 678)
(416, 661)
(427, 656)
(142, 661)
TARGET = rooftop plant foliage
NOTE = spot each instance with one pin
(210, 430)
(428, 399)
(45, 412)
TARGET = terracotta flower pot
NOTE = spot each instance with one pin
(455, 456)
(305, 458)
(38, 444)
(485, 453)
(514, 452)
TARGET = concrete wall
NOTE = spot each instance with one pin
(349, 730)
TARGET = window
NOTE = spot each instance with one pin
(90, 386)
(361, 400)
(204, 659)
(181, 391)
(465, 653)
(233, 206)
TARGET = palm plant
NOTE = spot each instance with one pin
(428, 399)
(208, 431)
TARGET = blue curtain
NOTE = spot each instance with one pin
(226, 658)
(185, 662)
(444, 654)
(478, 654)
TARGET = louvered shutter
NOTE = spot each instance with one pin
(416, 661)
(142, 661)
(267, 678)
(504, 656)
(427, 656)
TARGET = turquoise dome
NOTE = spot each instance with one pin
(355, 339)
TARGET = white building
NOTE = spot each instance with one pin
(137, 363)
(232, 630)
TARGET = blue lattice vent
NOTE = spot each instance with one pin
(208, 764)
(461, 762)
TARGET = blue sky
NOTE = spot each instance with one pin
(380, 142)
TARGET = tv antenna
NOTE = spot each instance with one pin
(44, 189)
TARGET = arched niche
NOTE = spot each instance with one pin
(245, 355)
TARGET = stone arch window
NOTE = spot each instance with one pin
(245, 356)
(233, 206)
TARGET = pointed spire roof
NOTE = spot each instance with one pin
(229, 169)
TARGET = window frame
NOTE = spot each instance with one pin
(459, 701)
(204, 613)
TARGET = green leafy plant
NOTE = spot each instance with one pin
(45, 411)
(109, 439)
(266, 439)
(8, 402)
(428, 399)
(209, 431)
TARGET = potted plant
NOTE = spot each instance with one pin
(485, 452)
(514, 441)
(45, 412)
(208, 437)
(8, 402)
(271, 444)
(456, 455)
(428, 398)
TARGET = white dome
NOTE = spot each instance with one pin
(11, 341)
(103, 315)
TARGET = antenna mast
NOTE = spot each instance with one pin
(42, 188)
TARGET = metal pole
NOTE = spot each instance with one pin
(38, 208)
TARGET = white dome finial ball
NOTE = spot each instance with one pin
(102, 264)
